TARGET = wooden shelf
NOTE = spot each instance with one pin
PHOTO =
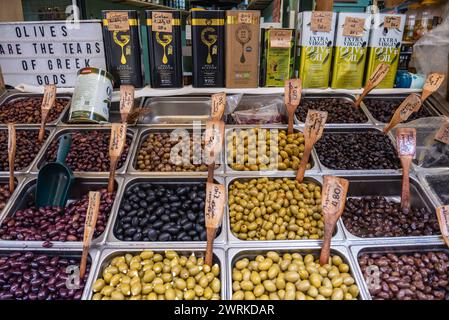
(148, 5)
(259, 4)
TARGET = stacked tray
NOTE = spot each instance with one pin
(228, 247)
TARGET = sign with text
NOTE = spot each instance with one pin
(42, 53)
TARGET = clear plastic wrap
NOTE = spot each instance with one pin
(260, 109)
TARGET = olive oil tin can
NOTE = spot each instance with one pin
(165, 48)
(121, 38)
(277, 57)
(208, 48)
(91, 97)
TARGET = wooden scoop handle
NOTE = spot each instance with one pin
(326, 249)
(405, 197)
(210, 233)
(303, 163)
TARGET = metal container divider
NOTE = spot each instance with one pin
(388, 186)
(84, 182)
(109, 253)
(234, 254)
(354, 129)
(348, 97)
(144, 132)
(315, 167)
(429, 107)
(397, 248)
(114, 116)
(94, 255)
(112, 240)
(233, 241)
(12, 96)
(50, 132)
(423, 178)
(131, 132)
(4, 179)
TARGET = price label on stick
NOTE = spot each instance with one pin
(214, 205)
(411, 104)
(379, 74)
(433, 82)
(89, 227)
(321, 21)
(314, 125)
(49, 97)
(11, 139)
(334, 196)
(218, 105)
(406, 142)
(118, 139)
(126, 100)
(442, 134)
(213, 141)
(443, 220)
(292, 92)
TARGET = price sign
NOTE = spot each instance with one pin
(379, 74)
(126, 100)
(321, 21)
(406, 142)
(280, 38)
(49, 97)
(162, 22)
(334, 195)
(245, 17)
(392, 22)
(117, 140)
(292, 92)
(443, 220)
(314, 125)
(117, 21)
(218, 105)
(214, 207)
(353, 27)
(442, 134)
(89, 227)
(433, 82)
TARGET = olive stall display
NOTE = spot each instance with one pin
(383, 109)
(407, 276)
(89, 151)
(375, 216)
(155, 154)
(275, 209)
(358, 150)
(282, 151)
(162, 212)
(439, 184)
(27, 148)
(55, 223)
(150, 275)
(339, 110)
(28, 110)
(292, 276)
(4, 195)
(27, 275)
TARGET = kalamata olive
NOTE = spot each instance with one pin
(339, 110)
(383, 109)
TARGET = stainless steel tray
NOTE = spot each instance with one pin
(400, 97)
(423, 178)
(112, 240)
(81, 186)
(346, 97)
(4, 179)
(315, 168)
(132, 133)
(108, 254)
(236, 242)
(235, 254)
(353, 129)
(94, 255)
(356, 250)
(388, 186)
(143, 133)
(12, 96)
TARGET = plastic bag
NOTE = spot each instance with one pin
(263, 109)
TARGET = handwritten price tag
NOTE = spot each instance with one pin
(292, 92)
(214, 207)
(433, 82)
(214, 139)
(379, 74)
(314, 125)
(442, 134)
(353, 27)
(162, 22)
(117, 140)
(334, 195)
(411, 104)
(126, 100)
(117, 21)
(218, 105)
(406, 142)
(245, 17)
(91, 215)
(49, 97)
(392, 22)
(280, 38)
(321, 21)
(443, 220)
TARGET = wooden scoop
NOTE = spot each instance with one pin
(313, 131)
(47, 103)
(214, 207)
(333, 201)
(292, 98)
(443, 220)
(411, 104)
(2, 81)
(126, 101)
(116, 145)
(213, 144)
(442, 134)
(11, 154)
(406, 146)
(218, 105)
(433, 82)
(89, 228)
(374, 80)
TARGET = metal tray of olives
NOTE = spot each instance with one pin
(399, 248)
(236, 242)
(340, 96)
(108, 254)
(4, 180)
(50, 131)
(177, 110)
(12, 96)
(94, 255)
(25, 195)
(395, 97)
(114, 115)
(390, 187)
(129, 182)
(235, 254)
(313, 160)
(131, 133)
(143, 133)
(354, 129)
(424, 182)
